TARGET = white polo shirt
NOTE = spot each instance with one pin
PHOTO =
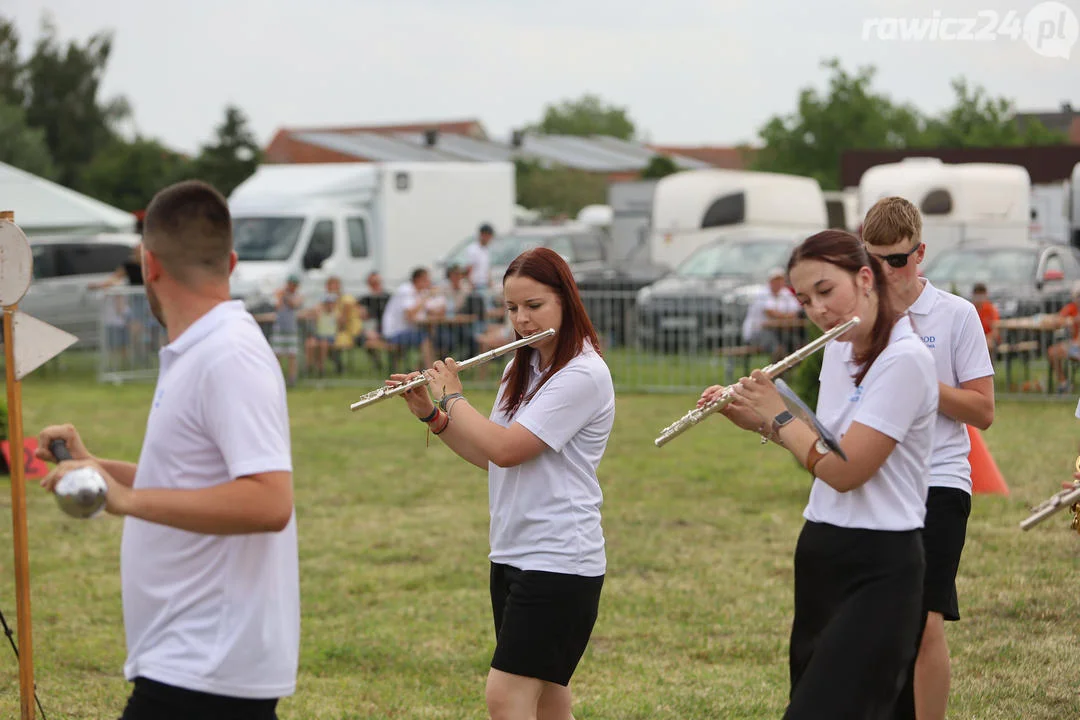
(213, 613)
(950, 327)
(479, 257)
(783, 301)
(545, 513)
(899, 398)
(394, 320)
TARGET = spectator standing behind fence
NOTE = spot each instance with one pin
(1070, 315)
(286, 336)
(406, 307)
(478, 258)
(774, 302)
(988, 314)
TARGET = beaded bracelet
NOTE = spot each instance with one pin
(448, 398)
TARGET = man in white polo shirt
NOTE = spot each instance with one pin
(478, 259)
(950, 328)
(208, 564)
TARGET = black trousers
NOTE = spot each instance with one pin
(152, 700)
(858, 602)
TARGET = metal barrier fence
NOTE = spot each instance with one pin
(672, 344)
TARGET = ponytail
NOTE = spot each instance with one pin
(883, 323)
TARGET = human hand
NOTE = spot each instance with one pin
(759, 393)
(71, 438)
(417, 399)
(443, 378)
(118, 498)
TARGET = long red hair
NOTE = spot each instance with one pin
(547, 267)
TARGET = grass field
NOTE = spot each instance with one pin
(696, 608)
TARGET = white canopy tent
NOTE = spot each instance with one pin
(42, 207)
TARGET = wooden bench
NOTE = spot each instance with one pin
(1016, 348)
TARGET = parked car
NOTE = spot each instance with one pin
(1021, 279)
(702, 304)
(65, 266)
(583, 247)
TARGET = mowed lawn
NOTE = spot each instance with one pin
(696, 608)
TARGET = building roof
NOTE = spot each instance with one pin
(437, 142)
(728, 158)
(1046, 164)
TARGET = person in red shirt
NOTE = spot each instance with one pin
(1070, 314)
(988, 314)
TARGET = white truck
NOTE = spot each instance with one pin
(349, 219)
(988, 202)
(695, 207)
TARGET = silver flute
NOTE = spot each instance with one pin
(389, 391)
(1067, 498)
(696, 415)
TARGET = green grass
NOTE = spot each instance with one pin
(696, 608)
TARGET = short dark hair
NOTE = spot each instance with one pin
(979, 288)
(418, 273)
(486, 229)
(188, 228)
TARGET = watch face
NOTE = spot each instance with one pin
(820, 446)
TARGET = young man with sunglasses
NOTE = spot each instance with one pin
(950, 327)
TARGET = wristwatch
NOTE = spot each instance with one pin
(780, 421)
(817, 451)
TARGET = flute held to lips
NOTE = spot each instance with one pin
(696, 415)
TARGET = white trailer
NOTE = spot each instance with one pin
(694, 207)
(988, 202)
(349, 219)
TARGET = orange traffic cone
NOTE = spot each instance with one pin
(985, 476)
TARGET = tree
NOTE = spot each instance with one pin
(558, 190)
(659, 166)
(127, 174)
(62, 99)
(232, 157)
(23, 147)
(587, 115)
(11, 70)
(850, 115)
(977, 120)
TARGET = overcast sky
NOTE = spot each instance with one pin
(688, 71)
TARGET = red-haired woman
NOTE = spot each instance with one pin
(541, 446)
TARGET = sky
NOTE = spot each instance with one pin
(688, 72)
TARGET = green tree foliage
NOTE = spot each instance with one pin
(851, 115)
(588, 115)
(23, 147)
(232, 156)
(659, 166)
(127, 174)
(62, 85)
(558, 190)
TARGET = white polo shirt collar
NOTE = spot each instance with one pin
(201, 328)
(926, 300)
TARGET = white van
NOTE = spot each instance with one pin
(987, 202)
(349, 219)
(695, 207)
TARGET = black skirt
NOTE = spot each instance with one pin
(543, 621)
(858, 607)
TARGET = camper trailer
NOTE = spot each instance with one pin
(696, 207)
(349, 219)
(982, 202)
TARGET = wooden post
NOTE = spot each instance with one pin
(18, 512)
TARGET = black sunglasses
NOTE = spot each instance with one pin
(898, 260)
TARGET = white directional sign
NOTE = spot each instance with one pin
(36, 343)
(16, 263)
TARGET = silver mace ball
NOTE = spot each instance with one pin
(81, 492)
